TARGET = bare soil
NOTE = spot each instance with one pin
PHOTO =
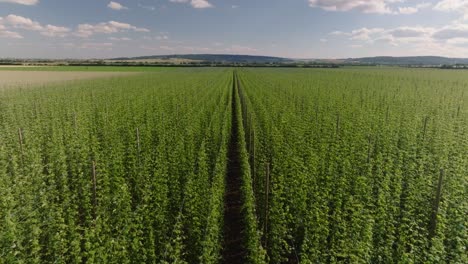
(233, 246)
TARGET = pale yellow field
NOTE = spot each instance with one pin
(14, 78)
(18, 66)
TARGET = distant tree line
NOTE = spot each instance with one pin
(454, 67)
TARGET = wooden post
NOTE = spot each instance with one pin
(435, 206)
(337, 125)
(138, 140)
(387, 114)
(20, 139)
(369, 150)
(250, 133)
(94, 189)
(425, 126)
(267, 192)
(253, 162)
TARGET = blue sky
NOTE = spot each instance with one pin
(286, 28)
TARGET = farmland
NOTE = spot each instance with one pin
(226, 165)
(21, 77)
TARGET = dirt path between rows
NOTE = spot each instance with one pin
(233, 248)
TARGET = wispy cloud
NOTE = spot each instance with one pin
(19, 22)
(452, 32)
(450, 40)
(87, 30)
(215, 48)
(367, 6)
(407, 10)
(200, 4)
(375, 6)
(9, 34)
(116, 6)
(55, 31)
(22, 22)
(457, 6)
(120, 39)
(147, 7)
(21, 2)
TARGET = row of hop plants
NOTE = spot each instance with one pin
(255, 252)
(337, 166)
(99, 171)
(358, 166)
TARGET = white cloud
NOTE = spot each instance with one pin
(388, 39)
(450, 40)
(407, 10)
(410, 32)
(200, 4)
(458, 42)
(337, 33)
(358, 34)
(368, 6)
(4, 33)
(55, 31)
(451, 5)
(22, 22)
(162, 37)
(364, 33)
(214, 48)
(120, 39)
(116, 6)
(458, 6)
(21, 2)
(452, 32)
(393, 36)
(25, 23)
(87, 30)
(9, 34)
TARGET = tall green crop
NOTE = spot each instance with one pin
(115, 170)
(347, 164)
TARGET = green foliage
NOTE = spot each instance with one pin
(337, 166)
(115, 171)
(346, 162)
(256, 254)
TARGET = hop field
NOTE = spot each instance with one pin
(243, 165)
